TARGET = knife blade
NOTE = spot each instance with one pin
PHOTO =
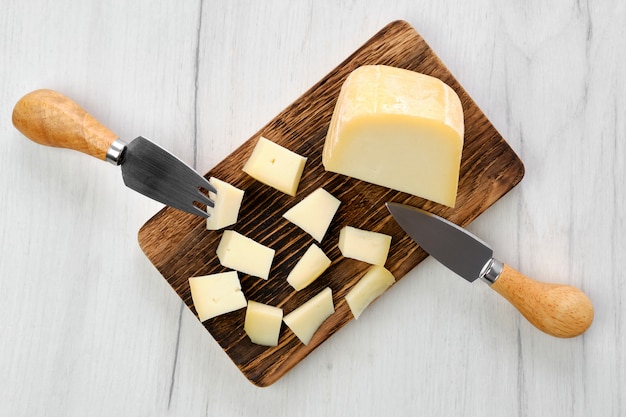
(558, 310)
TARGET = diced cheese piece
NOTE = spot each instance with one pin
(216, 294)
(262, 323)
(399, 129)
(227, 204)
(375, 282)
(363, 245)
(275, 166)
(306, 319)
(243, 254)
(308, 268)
(314, 213)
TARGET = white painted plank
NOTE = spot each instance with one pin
(88, 326)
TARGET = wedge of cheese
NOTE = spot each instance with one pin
(375, 282)
(314, 213)
(262, 323)
(399, 129)
(243, 254)
(306, 319)
(227, 204)
(308, 268)
(216, 294)
(364, 245)
(275, 166)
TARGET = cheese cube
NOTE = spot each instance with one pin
(216, 294)
(262, 323)
(314, 213)
(308, 268)
(275, 166)
(363, 245)
(306, 319)
(243, 254)
(399, 129)
(375, 282)
(227, 204)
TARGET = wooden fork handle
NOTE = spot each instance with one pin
(50, 118)
(558, 310)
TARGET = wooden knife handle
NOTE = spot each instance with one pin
(50, 118)
(558, 310)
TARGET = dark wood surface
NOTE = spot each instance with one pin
(180, 247)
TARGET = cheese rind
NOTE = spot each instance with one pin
(243, 254)
(275, 166)
(227, 204)
(314, 213)
(399, 129)
(376, 281)
(306, 319)
(308, 268)
(364, 245)
(262, 323)
(216, 294)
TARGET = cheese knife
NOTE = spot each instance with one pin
(50, 118)
(558, 310)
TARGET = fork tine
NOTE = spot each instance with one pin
(198, 211)
(203, 199)
(156, 173)
(187, 195)
(204, 183)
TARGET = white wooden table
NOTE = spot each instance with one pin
(89, 327)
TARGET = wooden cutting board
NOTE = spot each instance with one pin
(180, 247)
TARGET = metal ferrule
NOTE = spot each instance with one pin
(491, 272)
(115, 153)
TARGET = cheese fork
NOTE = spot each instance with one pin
(52, 119)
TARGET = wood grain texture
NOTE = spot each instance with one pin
(90, 327)
(52, 119)
(558, 310)
(180, 246)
